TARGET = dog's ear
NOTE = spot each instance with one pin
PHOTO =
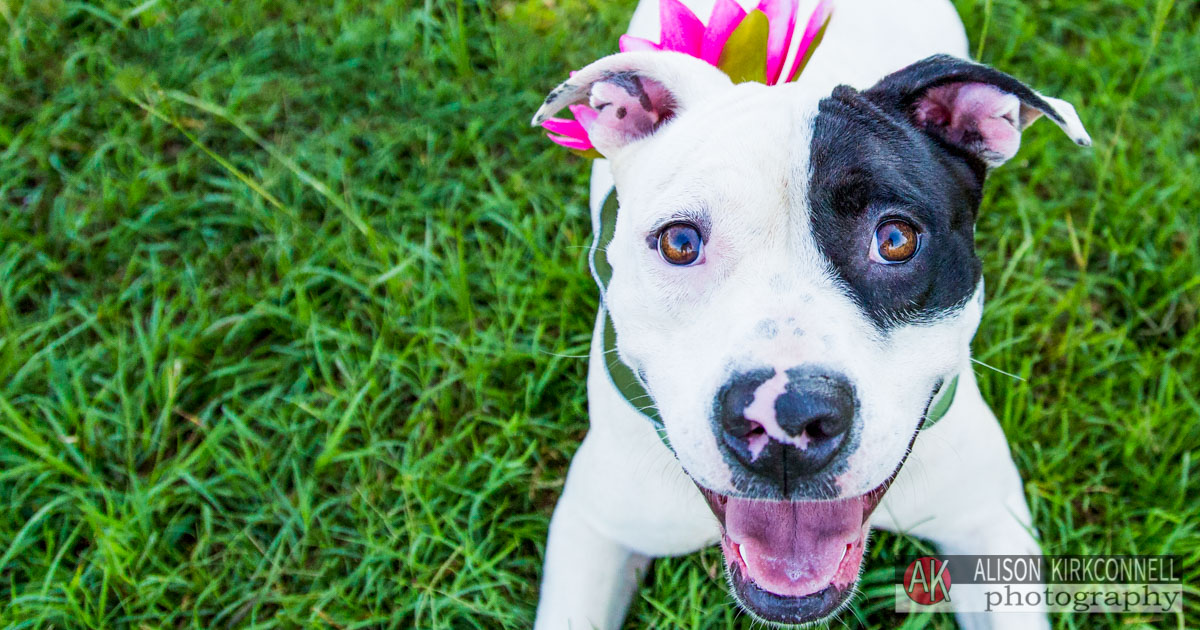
(635, 93)
(977, 109)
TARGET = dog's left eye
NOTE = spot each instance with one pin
(680, 243)
(895, 241)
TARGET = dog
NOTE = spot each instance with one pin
(789, 290)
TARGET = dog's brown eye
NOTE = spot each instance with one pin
(680, 243)
(895, 242)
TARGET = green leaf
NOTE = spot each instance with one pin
(590, 154)
(744, 57)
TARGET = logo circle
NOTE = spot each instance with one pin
(927, 581)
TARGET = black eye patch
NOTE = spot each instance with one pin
(867, 165)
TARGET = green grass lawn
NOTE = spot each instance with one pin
(290, 295)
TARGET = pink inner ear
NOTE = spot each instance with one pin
(629, 108)
(978, 117)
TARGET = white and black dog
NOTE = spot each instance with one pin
(790, 288)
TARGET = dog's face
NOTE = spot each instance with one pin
(794, 278)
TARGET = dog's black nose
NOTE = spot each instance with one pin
(786, 427)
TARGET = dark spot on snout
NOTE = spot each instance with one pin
(621, 112)
(767, 328)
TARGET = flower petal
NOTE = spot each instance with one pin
(681, 30)
(571, 143)
(584, 114)
(565, 127)
(726, 16)
(813, 32)
(782, 17)
(629, 43)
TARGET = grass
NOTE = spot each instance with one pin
(288, 293)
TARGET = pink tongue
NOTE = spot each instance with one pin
(794, 548)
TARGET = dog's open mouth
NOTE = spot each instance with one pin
(793, 561)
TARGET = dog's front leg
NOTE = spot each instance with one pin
(961, 490)
(589, 578)
(626, 500)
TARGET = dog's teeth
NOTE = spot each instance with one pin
(845, 550)
(742, 555)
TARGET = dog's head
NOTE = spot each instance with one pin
(794, 278)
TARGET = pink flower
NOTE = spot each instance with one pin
(572, 133)
(681, 31)
(813, 32)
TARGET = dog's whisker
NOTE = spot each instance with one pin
(570, 356)
(562, 356)
(996, 369)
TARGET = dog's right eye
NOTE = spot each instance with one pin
(680, 243)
